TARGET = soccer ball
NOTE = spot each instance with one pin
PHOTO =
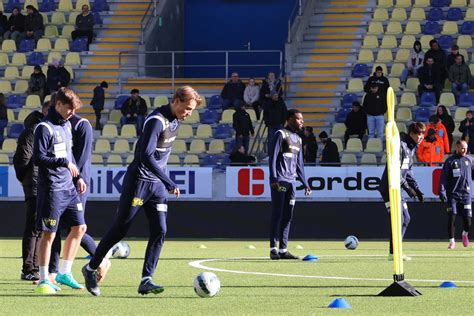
(121, 250)
(207, 284)
(351, 242)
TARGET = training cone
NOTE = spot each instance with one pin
(310, 258)
(448, 285)
(339, 303)
(251, 247)
(299, 247)
(202, 247)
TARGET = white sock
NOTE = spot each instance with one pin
(65, 266)
(43, 270)
(282, 250)
(273, 248)
(146, 278)
(88, 268)
(452, 240)
(464, 233)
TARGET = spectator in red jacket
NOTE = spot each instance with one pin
(437, 125)
(431, 149)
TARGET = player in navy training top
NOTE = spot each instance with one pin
(285, 162)
(455, 189)
(146, 184)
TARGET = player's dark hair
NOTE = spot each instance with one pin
(69, 97)
(417, 128)
(434, 119)
(459, 141)
(291, 113)
(46, 104)
(469, 112)
(186, 94)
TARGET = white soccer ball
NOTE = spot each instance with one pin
(207, 284)
(351, 242)
(121, 250)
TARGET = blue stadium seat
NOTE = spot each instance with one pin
(440, 3)
(210, 117)
(15, 101)
(427, 99)
(342, 114)
(454, 14)
(15, 130)
(35, 58)
(119, 101)
(79, 45)
(210, 160)
(47, 6)
(347, 100)
(100, 5)
(230, 146)
(11, 4)
(435, 14)
(226, 161)
(223, 131)
(466, 99)
(445, 41)
(431, 28)
(215, 103)
(97, 19)
(360, 71)
(422, 114)
(27, 45)
(467, 28)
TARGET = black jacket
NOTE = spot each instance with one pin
(233, 91)
(3, 112)
(37, 82)
(439, 57)
(274, 113)
(131, 106)
(17, 22)
(34, 22)
(330, 155)
(98, 99)
(26, 171)
(310, 149)
(265, 91)
(85, 23)
(374, 104)
(429, 75)
(56, 75)
(467, 130)
(356, 121)
(242, 123)
(4, 22)
(239, 159)
(451, 60)
(382, 82)
(448, 122)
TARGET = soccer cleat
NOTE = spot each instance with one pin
(288, 256)
(46, 287)
(274, 255)
(68, 279)
(30, 276)
(147, 286)
(103, 269)
(451, 245)
(91, 281)
(465, 240)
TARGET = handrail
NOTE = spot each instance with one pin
(146, 18)
(297, 11)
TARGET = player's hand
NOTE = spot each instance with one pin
(419, 195)
(307, 191)
(73, 169)
(443, 198)
(176, 192)
(81, 186)
(275, 186)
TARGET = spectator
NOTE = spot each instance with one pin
(414, 62)
(330, 154)
(243, 127)
(429, 78)
(375, 106)
(356, 122)
(3, 115)
(310, 145)
(3, 23)
(459, 76)
(271, 87)
(16, 26)
(447, 121)
(239, 157)
(84, 25)
(98, 101)
(431, 149)
(252, 97)
(274, 115)
(57, 76)
(467, 129)
(134, 110)
(37, 83)
(379, 79)
(34, 27)
(233, 92)
(450, 59)
(435, 123)
(439, 60)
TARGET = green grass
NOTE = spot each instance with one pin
(256, 294)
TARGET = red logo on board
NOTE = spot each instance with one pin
(250, 181)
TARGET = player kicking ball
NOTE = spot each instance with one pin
(146, 185)
(285, 162)
(455, 190)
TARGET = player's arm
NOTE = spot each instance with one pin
(300, 172)
(275, 147)
(83, 143)
(40, 152)
(445, 174)
(149, 137)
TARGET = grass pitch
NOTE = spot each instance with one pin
(300, 287)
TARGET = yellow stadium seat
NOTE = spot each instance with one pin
(102, 146)
(43, 45)
(9, 146)
(203, 102)
(47, 98)
(385, 3)
(227, 116)
(174, 160)
(365, 56)
(18, 59)
(464, 41)
(70, 70)
(389, 41)
(447, 99)
(109, 131)
(30, 2)
(413, 28)
(61, 45)
(185, 131)
(72, 59)
(26, 72)
(349, 159)
(52, 56)
(384, 56)
(471, 68)
(407, 41)
(394, 28)
(147, 100)
(471, 3)
(469, 14)
(32, 102)
(408, 99)
(23, 114)
(4, 59)
(160, 100)
(375, 28)
(10, 115)
(354, 145)
(4, 161)
(193, 119)
(72, 18)
(402, 127)
(114, 160)
(8, 46)
(417, 14)
(66, 31)
(121, 146)
(20, 87)
(421, 3)
(355, 85)
(114, 116)
(368, 159)
(456, 132)
(128, 131)
(460, 114)
(97, 159)
(399, 14)
(204, 131)
(450, 28)
(191, 160)
(1, 6)
(374, 145)
(5, 86)
(403, 115)
(380, 14)
(384, 67)
(179, 147)
(216, 146)
(197, 147)
(412, 85)
(464, 53)
(51, 31)
(80, 3)
(65, 6)
(58, 18)
(253, 115)
(370, 41)
(338, 130)
(397, 70)
(403, 3)
(458, 3)
(338, 143)
(402, 55)
(11, 73)
(425, 41)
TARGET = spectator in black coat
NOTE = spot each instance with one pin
(239, 157)
(84, 25)
(34, 27)
(439, 60)
(467, 129)
(447, 121)
(134, 110)
(271, 87)
(430, 78)
(310, 145)
(451, 58)
(3, 23)
(37, 83)
(243, 127)
(98, 101)
(274, 116)
(356, 122)
(57, 76)
(3, 115)
(233, 92)
(16, 26)
(379, 79)
(330, 154)
(375, 106)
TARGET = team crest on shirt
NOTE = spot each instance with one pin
(174, 125)
(137, 202)
(466, 163)
(49, 222)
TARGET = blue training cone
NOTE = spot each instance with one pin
(310, 258)
(448, 285)
(339, 303)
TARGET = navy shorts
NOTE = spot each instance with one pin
(55, 205)
(462, 208)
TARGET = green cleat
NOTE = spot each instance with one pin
(46, 287)
(68, 279)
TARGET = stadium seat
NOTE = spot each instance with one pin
(402, 128)
(191, 160)
(355, 85)
(413, 28)
(102, 146)
(51, 31)
(370, 41)
(119, 101)
(4, 59)
(79, 45)
(15, 101)
(160, 100)
(417, 14)
(4, 160)
(380, 14)
(121, 146)
(354, 145)
(193, 119)
(8, 46)
(466, 99)
(454, 14)
(18, 59)
(179, 147)
(427, 99)
(197, 147)
(467, 28)
(32, 102)
(147, 100)
(114, 116)
(209, 117)
(425, 41)
(375, 28)
(445, 42)
(26, 72)
(204, 131)
(360, 71)
(223, 131)
(114, 160)
(65, 6)
(458, 3)
(469, 14)
(97, 159)
(72, 18)
(399, 14)
(385, 3)
(20, 87)
(47, 6)
(368, 159)
(174, 160)
(15, 130)
(464, 53)
(403, 4)
(389, 41)
(407, 42)
(421, 3)
(384, 67)
(349, 159)
(72, 59)
(397, 70)
(395, 28)
(26, 45)
(11, 4)
(5, 86)
(215, 103)
(460, 114)
(431, 28)
(435, 14)
(109, 131)
(185, 131)
(447, 99)
(403, 115)
(348, 99)
(394, 83)
(342, 114)
(408, 99)
(338, 130)
(35, 58)
(227, 116)
(52, 56)
(43, 45)
(128, 131)
(374, 145)
(22, 115)
(365, 56)
(450, 28)
(422, 114)
(58, 18)
(384, 56)
(440, 3)
(252, 114)
(216, 146)
(402, 55)
(80, 3)
(412, 85)
(61, 45)
(11, 73)
(8, 146)
(66, 31)
(210, 160)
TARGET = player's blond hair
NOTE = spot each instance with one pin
(186, 94)
(68, 97)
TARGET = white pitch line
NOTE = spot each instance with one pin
(199, 265)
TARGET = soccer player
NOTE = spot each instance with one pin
(408, 145)
(146, 184)
(285, 162)
(58, 197)
(455, 189)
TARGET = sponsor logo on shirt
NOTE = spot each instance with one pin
(137, 202)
